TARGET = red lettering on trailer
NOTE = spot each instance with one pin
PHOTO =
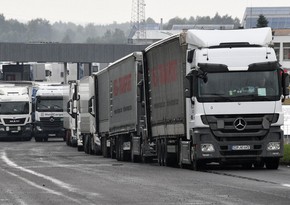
(122, 85)
(164, 73)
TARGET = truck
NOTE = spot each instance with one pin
(15, 112)
(98, 142)
(203, 102)
(48, 111)
(83, 127)
(119, 111)
(89, 87)
(71, 112)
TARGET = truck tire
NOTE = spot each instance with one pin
(105, 152)
(86, 146)
(134, 158)
(38, 139)
(67, 137)
(159, 153)
(272, 163)
(113, 148)
(197, 165)
(259, 165)
(80, 148)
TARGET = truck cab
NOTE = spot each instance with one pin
(15, 112)
(235, 112)
(48, 112)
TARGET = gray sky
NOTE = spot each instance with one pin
(109, 11)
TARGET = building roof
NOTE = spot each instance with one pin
(282, 32)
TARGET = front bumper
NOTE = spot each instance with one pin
(18, 132)
(235, 149)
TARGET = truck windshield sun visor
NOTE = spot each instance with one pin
(213, 68)
(235, 45)
(264, 66)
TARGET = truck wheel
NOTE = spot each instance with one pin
(196, 165)
(67, 137)
(134, 158)
(272, 163)
(259, 165)
(180, 160)
(113, 149)
(247, 165)
(118, 149)
(159, 152)
(38, 139)
(85, 142)
(104, 147)
(80, 148)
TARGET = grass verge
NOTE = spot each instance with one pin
(286, 158)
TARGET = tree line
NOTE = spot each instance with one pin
(41, 30)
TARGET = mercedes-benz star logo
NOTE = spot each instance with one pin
(240, 124)
(51, 119)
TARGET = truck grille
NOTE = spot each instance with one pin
(240, 127)
(52, 121)
(11, 121)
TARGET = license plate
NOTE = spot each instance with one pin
(241, 147)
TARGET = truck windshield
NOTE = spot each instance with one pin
(239, 86)
(7, 108)
(49, 105)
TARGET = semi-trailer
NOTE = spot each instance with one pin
(124, 110)
(204, 103)
(71, 112)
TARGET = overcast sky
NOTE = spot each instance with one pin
(109, 11)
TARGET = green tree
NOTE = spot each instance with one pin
(262, 21)
(118, 36)
(39, 30)
(150, 20)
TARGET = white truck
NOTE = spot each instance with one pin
(83, 128)
(48, 111)
(204, 103)
(15, 112)
(71, 112)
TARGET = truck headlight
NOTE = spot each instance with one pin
(273, 146)
(207, 148)
(2, 129)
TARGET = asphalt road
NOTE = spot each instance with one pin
(52, 173)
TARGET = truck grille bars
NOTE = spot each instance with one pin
(240, 127)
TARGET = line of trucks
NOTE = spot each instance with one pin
(187, 100)
(190, 99)
(31, 109)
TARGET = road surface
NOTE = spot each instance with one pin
(52, 173)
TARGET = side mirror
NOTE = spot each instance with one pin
(141, 91)
(91, 105)
(285, 84)
(68, 107)
(189, 84)
(190, 55)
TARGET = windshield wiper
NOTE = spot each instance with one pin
(220, 96)
(57, 106)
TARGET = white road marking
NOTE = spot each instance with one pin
(51, 179)
(286, 185)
